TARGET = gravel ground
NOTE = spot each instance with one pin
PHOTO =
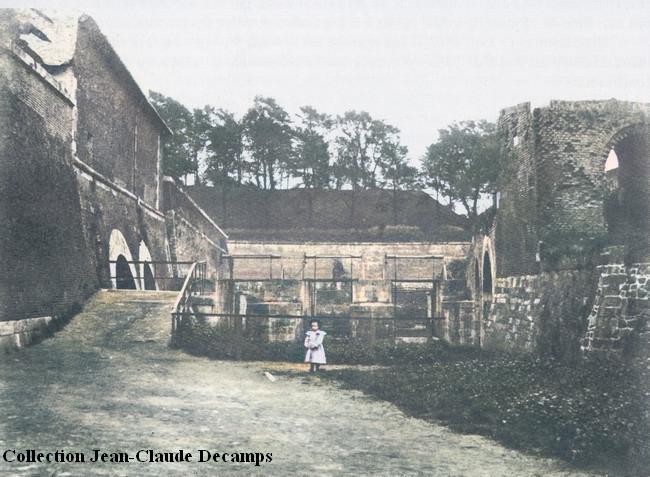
(108, 381)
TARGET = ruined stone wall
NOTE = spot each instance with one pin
(620, 316)
(552, 223)
(544, 313)
(554, 185)
(573, 141)
(516, 239)
(46, 266)
(458, 323)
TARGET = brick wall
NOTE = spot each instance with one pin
(105, 209)
(59, 210)
(553, 204)
(554, 183)
(46, 266)
(573, 141)
(516, 240)
(117, 130)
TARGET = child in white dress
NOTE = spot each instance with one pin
(314, 343)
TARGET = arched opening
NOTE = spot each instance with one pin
(117, 247)
(613, 206)
(149, 282)
(487, 274)
(611, 164)
(123, 276)
(625, 205)
(147, 276)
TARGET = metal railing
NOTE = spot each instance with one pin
(370, 328)
(194, 285)
(167, 275)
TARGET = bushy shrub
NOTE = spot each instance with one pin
(222, 342)
(226, 343)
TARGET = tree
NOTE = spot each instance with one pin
(177, 154)
(464, 164)
(362, 144)
(369, 155)
(199, 136)
(312, 158)
(268, 137)
(225, 149)
(397, 174)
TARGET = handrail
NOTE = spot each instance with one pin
(184, 288)
(181, 304)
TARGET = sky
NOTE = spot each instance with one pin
(419, 65)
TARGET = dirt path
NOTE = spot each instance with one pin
(109, 381)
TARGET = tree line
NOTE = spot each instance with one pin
(269, 149)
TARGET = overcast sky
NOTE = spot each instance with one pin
(417, 64)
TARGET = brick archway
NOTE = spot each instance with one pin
(625, 190)
(118, 247)
(147, 280)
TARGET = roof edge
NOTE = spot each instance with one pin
(85, 18)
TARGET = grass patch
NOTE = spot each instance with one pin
(593, 413)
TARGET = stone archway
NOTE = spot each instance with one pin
(123, 277)
(625, 188)
(487, 285)
(484, 287)
(147, 276)
(119, 252)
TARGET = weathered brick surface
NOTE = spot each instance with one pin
(516, 232)
(553, 215)
(46, 269)
(74, 168)
(117, 130)
(554, 187)
(103, 210)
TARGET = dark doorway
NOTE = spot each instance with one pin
(123, 276)
(487, 274)
(613, 209)
(149, 282)
(626, 200)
